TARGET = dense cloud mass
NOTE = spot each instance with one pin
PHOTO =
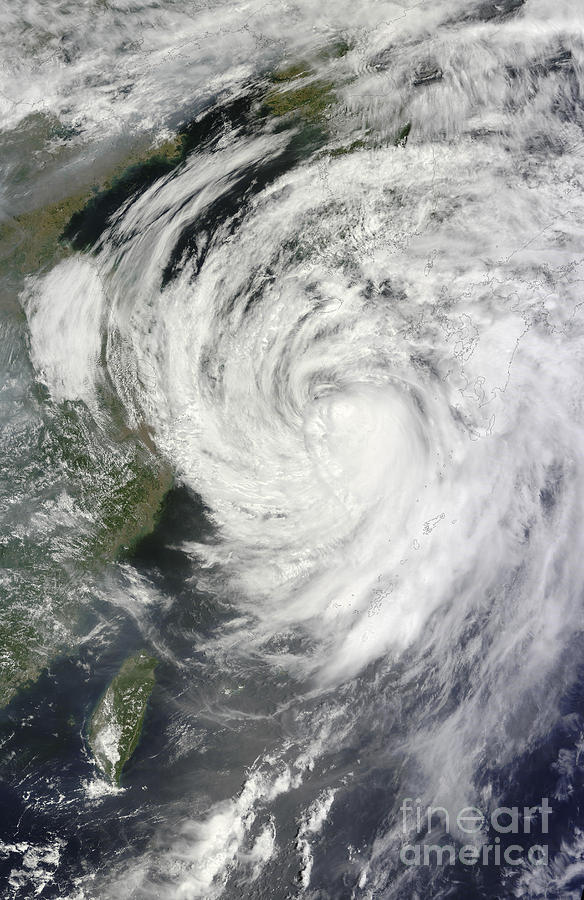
(354, 332)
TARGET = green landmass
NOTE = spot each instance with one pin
(38, 238)
(291, 72)
(21, 652)
(335, 50)
(115, 486)
(34, 240)
(115, 479)
(358, 144)
(307, 102)
(116, 723)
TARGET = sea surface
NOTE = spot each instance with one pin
(315, 273)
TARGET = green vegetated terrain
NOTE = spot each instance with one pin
(114, 478)
(307, 101)
(296, 94)
(105, 483)
(37, 239)
(117, 720)
(103, 494)
(299, 95)
(302, 93)
(119, 483)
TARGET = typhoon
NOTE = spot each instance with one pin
(293, 414)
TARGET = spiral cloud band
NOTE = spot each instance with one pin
(368, 366)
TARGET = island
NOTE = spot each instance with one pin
(116, 723)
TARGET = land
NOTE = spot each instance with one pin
(116, 723)
(115, 477)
